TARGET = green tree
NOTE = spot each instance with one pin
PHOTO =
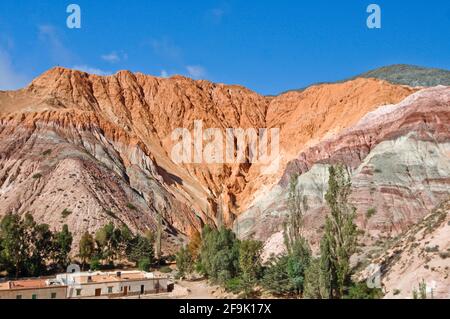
(141, 248)
(315, 282)
(87, 248)
(298, 261)
(276, 277)
(249, 265)
(14, 251)
(219, 254)
(62, 243)
(340, 238)
(184, 261)
(39, 241)
(297, 205)
(106, 240)
(298, 250)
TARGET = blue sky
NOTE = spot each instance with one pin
(268, 46)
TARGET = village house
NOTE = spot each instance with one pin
(86, 285)
(112, 284)
(33, 289)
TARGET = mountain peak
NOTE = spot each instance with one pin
(411, 75)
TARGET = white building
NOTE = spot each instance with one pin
(112, 284)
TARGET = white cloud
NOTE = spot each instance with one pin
(164, 74)
(166, 48)
(91, 70)
(196, 71)
(10, 79)
(51, 37)
(216, 15)
(112, 57)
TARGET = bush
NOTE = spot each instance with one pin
(47, 152)
(144, 264)
(184, 261)
(65, 213)
(371, 212)
(361, 291)
(234, 285)
(276, 278)
(219, 254)
(96, 264)
(131, 206)
(37, 176)
(444, 255)
(110, 214)
(165, 270)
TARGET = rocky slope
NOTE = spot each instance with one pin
(420, 255)
(100, 147)
(85, 150)
(399, 160)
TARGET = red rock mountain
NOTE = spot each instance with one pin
(99, 147)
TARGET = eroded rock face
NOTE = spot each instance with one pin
(100, 147)
(419, 256)
(399, 160)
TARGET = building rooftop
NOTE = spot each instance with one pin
(24, 284)
(81, 278)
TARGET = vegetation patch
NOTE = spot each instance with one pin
(66, 213)
(131, 206)
(371, 212)
(111, 214)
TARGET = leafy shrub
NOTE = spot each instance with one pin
(444, 255)
(144, 264)
(234, 285)
(110, 213)
(47, 152)
(96, 264)
(433, 249)
(371, 212)
(165, 270)
(65, 213)
(361, 291)
(131, 206)
(37, 176)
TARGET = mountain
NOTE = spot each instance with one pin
(100, 147)
(86, 150)
(410, 75)
(401, 74)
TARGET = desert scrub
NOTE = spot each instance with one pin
(47, 152)
(110, 213)
(444, 254)
(65, 213)
(165, 269)
(371, 212)
(131, 206)
(37, 176)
